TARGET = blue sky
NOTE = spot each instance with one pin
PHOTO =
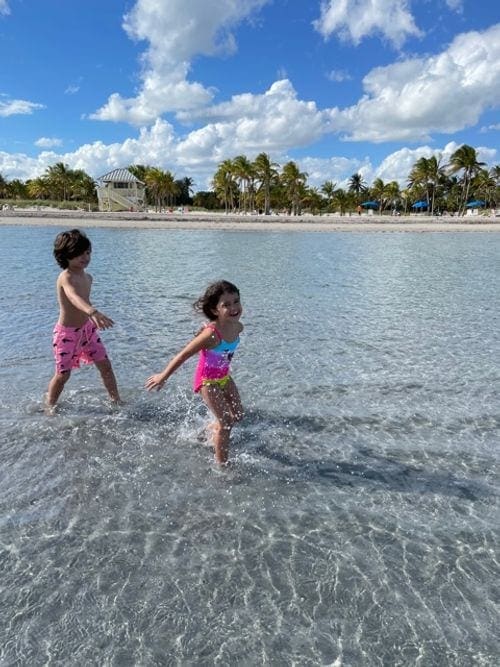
(339, 86)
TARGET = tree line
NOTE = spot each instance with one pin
(60, 183)
(245, 186)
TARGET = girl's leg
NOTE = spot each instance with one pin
(109, 380)
(234, 400)
(56, 385)
(217, 403)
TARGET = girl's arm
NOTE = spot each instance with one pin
(204, 340)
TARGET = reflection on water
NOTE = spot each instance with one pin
(358, 524)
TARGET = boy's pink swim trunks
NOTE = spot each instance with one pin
(73, 345)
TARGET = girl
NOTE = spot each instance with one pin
(215, 343)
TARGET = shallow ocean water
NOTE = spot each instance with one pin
(359, 522)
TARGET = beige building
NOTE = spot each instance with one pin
(120, 190)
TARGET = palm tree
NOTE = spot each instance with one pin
(38, 188)
(3, 187)
(392, 193)
(162, 186)
(267, 173)
(343, 200)
(59, 177)
(357, 184)
(328, 189)
(312, 200)
(464, 160)
(139, 171)
(83, 186)
(293, 181)
(244, 172)
(16, 189)
(225, 185)
(484, 186)
(185, 190)
(378, 192)
(495, 173)
(405, 195)
(171, 188)
(427, 173)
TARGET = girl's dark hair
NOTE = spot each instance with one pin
(208, 302)
(69, 245)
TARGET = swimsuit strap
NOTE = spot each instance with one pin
(215, 330)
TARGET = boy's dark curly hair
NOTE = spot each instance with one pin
(69, 245)
(208, 302)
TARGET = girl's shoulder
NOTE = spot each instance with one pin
(210, 335)
(210, 326)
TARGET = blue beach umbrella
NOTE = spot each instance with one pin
(476, 203)
(420, 204)
(370, 204)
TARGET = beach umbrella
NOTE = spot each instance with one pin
(370, 204)
(476, 203)
(420, 204)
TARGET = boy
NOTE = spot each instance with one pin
(76, 336)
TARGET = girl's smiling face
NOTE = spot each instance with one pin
(228, 307)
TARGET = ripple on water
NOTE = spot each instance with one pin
(358, 523)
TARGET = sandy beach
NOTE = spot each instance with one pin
(208, 221)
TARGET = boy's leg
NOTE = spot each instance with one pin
(108, 378)
(64, 345)
(217, 403)
(56, 385)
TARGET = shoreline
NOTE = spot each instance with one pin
(232, 222)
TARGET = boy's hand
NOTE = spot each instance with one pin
(101, 320)
(154, 382)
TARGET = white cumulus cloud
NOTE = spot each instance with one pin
(455, 5)
(48, 142)
(176, 32)
(272, 122)
(353, 20)
(335, 169)
(18, 107)
(491, 128)
(397, 165)
(4, 7)
(443, 93)
(338, 75)
(158, 146)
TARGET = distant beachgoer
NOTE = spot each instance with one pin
(215, 343)
(359, 209)
(76, 337)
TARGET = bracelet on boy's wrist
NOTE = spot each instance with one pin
(93, 312)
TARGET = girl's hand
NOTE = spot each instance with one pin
(154, 382)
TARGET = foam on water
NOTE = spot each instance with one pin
(358, 522)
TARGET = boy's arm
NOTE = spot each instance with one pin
(101, 320)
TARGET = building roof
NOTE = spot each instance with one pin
(119, 176)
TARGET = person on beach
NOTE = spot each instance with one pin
(215, 343)
(76, 335)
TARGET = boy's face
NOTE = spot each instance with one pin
(80, 262)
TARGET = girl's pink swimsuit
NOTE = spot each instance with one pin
(73, 345)
(213, 365)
